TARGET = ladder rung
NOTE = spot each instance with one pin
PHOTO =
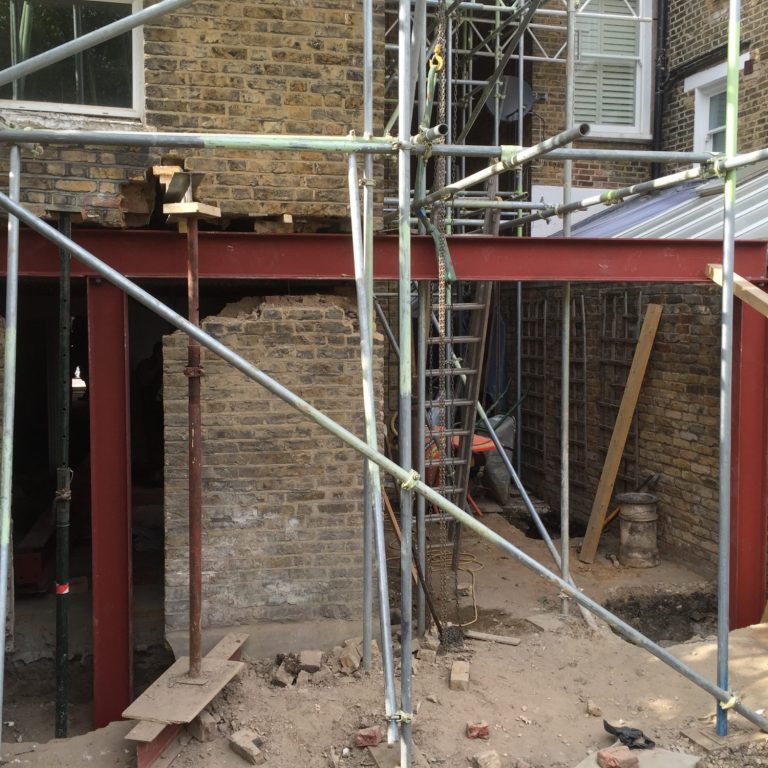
(450, 371)
(454, 339)
(455, 401)
(466, 305)
(445, 462)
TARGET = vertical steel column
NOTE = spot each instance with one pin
(726, 357)
(749, 494)
(373, 473)
(405, 106)
(110, 499)
(9, 401)
(63, 493)
(194, 372)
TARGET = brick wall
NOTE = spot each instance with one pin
(696, 29)
(281, 497)
(678, 413)
(290, 67)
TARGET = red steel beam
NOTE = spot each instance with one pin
(110, 500)
(749, 465)
(149, 254)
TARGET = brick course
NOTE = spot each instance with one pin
(282, 512)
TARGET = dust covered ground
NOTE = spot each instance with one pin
(534, 696)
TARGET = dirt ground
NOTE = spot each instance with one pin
(534, 696)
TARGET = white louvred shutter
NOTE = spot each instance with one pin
(606, 88)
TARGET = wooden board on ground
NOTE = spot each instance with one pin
(145, 731)
(173, 698)
(620, 432)
(707, 739)
(228, 647)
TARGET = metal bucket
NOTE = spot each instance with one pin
(638, 523)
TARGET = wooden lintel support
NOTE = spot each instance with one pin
(742, 289)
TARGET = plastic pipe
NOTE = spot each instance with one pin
(400, 474)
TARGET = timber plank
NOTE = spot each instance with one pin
(620, 432)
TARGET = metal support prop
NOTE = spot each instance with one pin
(565, 334)
(194, 373)
(405, 105)
(374, 476)
(9, 401)
(63, 492)
(421, 438)
(399, 473)
(726, 359)
(83, 43)
(511, 158)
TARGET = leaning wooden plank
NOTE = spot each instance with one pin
(620, 432)
(742, 289)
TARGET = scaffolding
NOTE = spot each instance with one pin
(473, 33)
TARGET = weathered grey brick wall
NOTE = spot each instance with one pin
(282, 536)
(678, 413)
(236, 66)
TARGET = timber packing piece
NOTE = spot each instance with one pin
(620, 432)
(167, 705)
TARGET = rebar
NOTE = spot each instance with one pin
(399, 473)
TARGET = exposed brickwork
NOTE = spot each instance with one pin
(677, 411)
(696, 29)
(281, 497)
(290, 67)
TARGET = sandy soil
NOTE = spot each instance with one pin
(534, 696)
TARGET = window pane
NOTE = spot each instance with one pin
(100, 76)
(717, 104)
(717, 141)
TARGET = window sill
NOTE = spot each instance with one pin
(623, 138)
(42, 118)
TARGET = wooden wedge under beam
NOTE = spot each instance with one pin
(620, 432)
(202, 210)
(748, 292)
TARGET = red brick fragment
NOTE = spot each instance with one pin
(368, 737)
(478, 731)
(617, 757)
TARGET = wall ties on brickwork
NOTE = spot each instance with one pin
(282, 511)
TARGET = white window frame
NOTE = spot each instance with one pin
(706, 84)
(641, 129)
(136, 111)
